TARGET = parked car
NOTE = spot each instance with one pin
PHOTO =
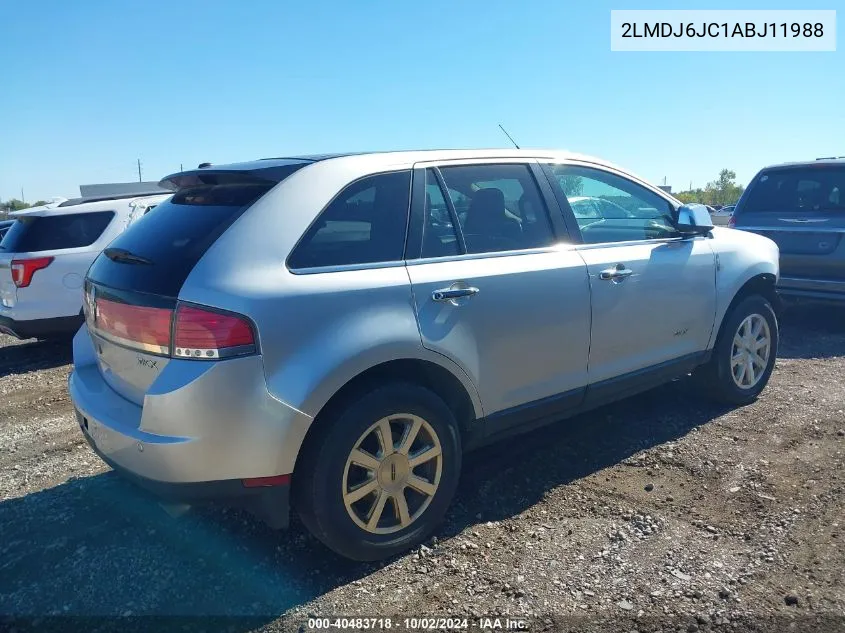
(722, 215)
(4, 227)
(44, 256)
(801, 206)
(586, 207)
(317, 331)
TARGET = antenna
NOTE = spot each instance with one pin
(509, 136)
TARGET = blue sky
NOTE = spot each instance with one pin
(89, 87)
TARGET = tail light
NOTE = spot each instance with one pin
(187, 332)
(732, 222)
(140, 327)
(24, 269)
(206, 334)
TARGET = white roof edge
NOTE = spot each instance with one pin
(86, 207)
(410, 157)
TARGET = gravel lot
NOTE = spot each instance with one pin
(662, 512)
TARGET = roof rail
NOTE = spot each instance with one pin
(120, 196)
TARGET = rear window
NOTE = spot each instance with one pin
(173, 236)
(31, 234)
(797, 190)
(364, 224)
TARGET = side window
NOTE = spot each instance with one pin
(609, 208)
(364, 224)
(439, 236)
(499, 207)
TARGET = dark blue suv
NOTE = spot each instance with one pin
(801, 206)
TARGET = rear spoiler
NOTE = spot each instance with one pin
(239, 173)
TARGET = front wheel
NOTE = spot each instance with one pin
(744, 355)
(378, 477)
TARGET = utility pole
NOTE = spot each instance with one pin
(23, 198)
(181, 168)
(139, 170)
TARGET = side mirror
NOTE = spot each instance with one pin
(694, 219)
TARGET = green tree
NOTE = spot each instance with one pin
(571, 185)
(14, 204)
(724, 189)
(39, 203)
(719, 192)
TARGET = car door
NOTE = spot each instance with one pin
(653, 291)
(498, 287)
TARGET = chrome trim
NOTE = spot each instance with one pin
(342, 267)
(805, 280)
(450, 294)
(661, 240)
(135, 346)
(617, 274)
(461, 257)
(213, 354)
(431, 260)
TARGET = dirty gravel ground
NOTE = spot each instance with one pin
(659, 513)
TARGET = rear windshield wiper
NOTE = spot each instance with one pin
(125, 257)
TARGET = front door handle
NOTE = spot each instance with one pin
(617, 273)
(449, 294)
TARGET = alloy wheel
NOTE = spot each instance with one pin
(392, 473)
(752, 345)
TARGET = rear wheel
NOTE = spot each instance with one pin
(744, 355)
(378, 477)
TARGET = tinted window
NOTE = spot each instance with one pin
(174, 235)
(31, 234)
(798, 190)
(439, 236)
(609, 208)
(499, 207)
(364, 224)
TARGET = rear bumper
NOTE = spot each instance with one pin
(201, 429)
(40, 328)
(269, 503)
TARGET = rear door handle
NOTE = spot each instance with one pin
(448, 294)
(617, 273)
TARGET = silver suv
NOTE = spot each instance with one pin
(333, 332)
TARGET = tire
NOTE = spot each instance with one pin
(326, 473)
(718, 376)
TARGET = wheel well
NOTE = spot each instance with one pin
(763, 284)
(430, 375)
